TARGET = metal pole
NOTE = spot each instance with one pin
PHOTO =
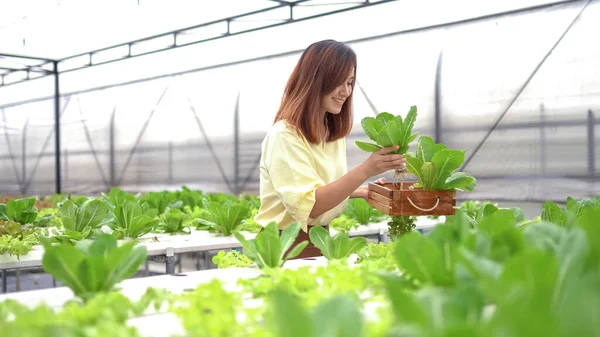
(438, 92)
(543, 138)
(591, 145)
(57, 127)
(236, 145)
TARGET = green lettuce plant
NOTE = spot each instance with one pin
(92, 267)
(338, 247)
(268, 249)
(20, 210)
(434, 165)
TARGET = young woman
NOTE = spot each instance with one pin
(303, 168)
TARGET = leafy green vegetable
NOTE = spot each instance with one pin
(387, 130)
(16, 239)
(161, 201)
(343, 223)
(268, 249)
(232, 258)
(92, 267)
(91, 214)
(360, 210)
(133, 220)
(225, 218)
(338, 247)
(20, 210)
(337, 316)
(425, 260)
(117, 196)
(434, 165)
(173, 221)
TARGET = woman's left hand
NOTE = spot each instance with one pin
(363, 191)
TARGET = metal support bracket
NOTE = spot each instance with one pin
(170, 261)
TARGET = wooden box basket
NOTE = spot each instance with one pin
(406, 202)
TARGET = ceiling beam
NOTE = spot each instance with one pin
(228, 22)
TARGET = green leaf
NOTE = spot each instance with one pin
(68, 214)
(343, 246)
(413, 137)
(409, 122)
(460, 181)
(369, 147)
(372, 127)
(404, 304)
(486, 210)
(429, 174)
(544, 236)
(588, 221)
(425, 149)
(414, 165)
(446, 162)
(384, 138)
(423, 260)
(552, 213)
(337, 316)
(22, 210)
(384, 118)
(92, 213)
(250, 250)
(62, 262)
(288, 236)
(395, 132)
(269, 246)
(296, 250)
(321, 239)
(291, 318)
(503, 237)
(123, 262)
(360, 210)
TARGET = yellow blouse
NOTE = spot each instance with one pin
(291, 170)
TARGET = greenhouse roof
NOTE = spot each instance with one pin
(107, 31)
(66, 35)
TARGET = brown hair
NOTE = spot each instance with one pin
(322, 67)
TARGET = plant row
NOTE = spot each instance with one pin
(486, 271)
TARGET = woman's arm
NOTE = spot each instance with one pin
(331, 195)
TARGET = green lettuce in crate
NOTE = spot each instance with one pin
(434, 165)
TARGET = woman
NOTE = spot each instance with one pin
(303, 169)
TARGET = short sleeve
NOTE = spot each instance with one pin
(292, 174)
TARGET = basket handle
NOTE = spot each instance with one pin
(424, 209)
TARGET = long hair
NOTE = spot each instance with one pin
(323, 66)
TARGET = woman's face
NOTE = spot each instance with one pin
(334, 101)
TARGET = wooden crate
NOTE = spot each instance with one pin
(393, 201)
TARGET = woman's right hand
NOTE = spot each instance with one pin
(381, 161)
